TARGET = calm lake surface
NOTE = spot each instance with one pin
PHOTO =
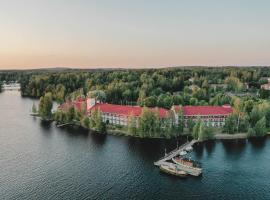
(40, 161)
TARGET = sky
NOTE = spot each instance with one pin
(133, 33)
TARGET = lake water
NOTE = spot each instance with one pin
(40, 161)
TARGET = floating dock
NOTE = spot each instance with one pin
(174, 153)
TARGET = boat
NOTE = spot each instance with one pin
(182, 153)
(172, 169)
(189, 166)
(189, 148)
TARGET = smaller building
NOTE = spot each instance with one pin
(79, 105)
(267, 85)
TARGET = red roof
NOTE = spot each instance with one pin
(126, 110)
(206, 110)
(78, 105)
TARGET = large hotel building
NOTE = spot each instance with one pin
(119, 114)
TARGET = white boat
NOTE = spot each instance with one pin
(188, 166)
(189, 148)
(182, 153)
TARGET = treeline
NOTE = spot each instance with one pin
(250, 115)
(151, 87)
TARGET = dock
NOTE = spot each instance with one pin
(174, 153)
(65, 124)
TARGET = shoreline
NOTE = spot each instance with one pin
(219, 136)
(117, 132)
(230, 136)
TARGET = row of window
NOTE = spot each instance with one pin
(208, 116)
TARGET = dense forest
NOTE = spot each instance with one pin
(152, 87)
(239, 87)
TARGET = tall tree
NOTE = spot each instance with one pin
(147, 123)
(96, 121)
(260, 127)
(132, 125)
(45, 106)
(181, 122)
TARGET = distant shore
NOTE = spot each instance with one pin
(230, 136)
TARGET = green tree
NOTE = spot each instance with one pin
(181, 122)
(150, 101)
(96, 121)
(177, 100)
(190, 125)
(168, 127)
(264, 94)
(60, 93)
(234, 84)
(70, 115)
(207, 133)
(230, 124)
(248, 106)
(132, 125)
(201, 132)
(86, 122)
(255, 116)
(196, 129)
(251, 132)
(147, 123)
(267, 117)
(260, 127)
(168, 102)
(193, 101)
(45, 106)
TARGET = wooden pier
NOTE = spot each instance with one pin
(174, 153)
(60, 125)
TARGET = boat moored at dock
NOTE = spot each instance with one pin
(182, 153)
(188, 149)
(189, 166)
(173, 169)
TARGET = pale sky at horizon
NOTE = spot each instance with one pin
(125, 33)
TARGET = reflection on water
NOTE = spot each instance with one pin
(74, 131)
(234, 146)
(45, 125)
(99, 139)
(258, 143)
(210, 146)
(198, 150)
